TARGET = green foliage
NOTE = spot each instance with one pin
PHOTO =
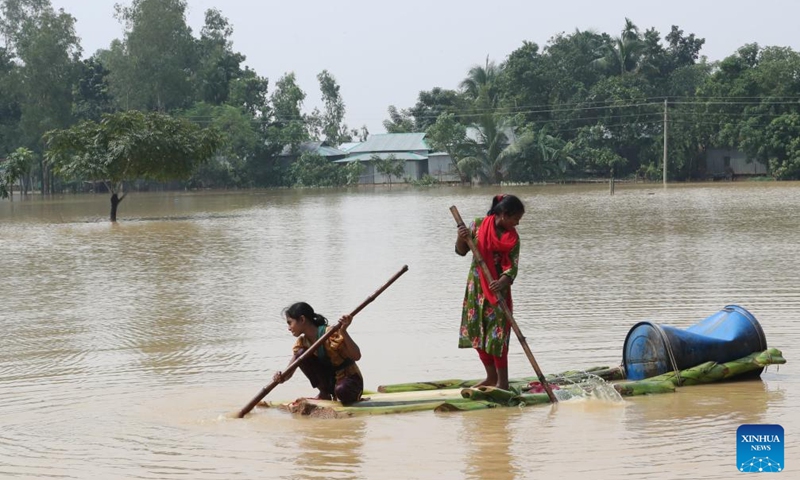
(151, 69)
(433, 103)
(489, 157)
(312, 170)
(240, 138)
(249, 92)
(448, 135)
(332, 119)
(625, 53)
(92, 92)
(288, 126)
(130, 145)
(47, 46)
(10, 108)
(425, 181)
(389, 166)
(218, 65)
(353, 172)
(540, 156)
(583, 103)
(481, 85)
(18, 164)
(400, 121)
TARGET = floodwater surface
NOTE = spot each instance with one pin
(128, 347)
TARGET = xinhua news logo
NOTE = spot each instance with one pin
(759, 448)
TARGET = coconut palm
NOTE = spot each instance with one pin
(625, 53)
(480, 86)
(489, 156)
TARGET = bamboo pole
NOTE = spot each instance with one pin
(504, 307)
(313, 348)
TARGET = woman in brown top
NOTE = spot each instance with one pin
(332, 368)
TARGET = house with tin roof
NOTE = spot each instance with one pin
(411, 148)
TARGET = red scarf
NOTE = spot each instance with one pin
(489, 245)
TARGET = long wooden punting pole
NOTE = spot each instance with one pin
(313, 348)
(507, 311)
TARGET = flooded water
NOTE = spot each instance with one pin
(126, 348)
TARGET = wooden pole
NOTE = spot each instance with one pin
(501, 302)
(313, 348)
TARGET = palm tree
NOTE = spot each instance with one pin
(490, 156)
(480, 86)
(625, 53)
(542, 155)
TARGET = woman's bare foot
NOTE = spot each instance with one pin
(323, 396)
(484, 383)
(491, 377)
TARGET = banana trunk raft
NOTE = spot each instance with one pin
(460, 395)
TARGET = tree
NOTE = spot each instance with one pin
(389, 166)
(218, 64)
(360, 134)
(250, 93)
(47, 48)
(567, 65)
(481, 85)
(448, 135)
(683, 50)
(130, 145)
(288, 125)
(332, 119)
(240, 138)
(399, 121)
(524, 83)
(151, 69)
(624, 54)
(431, 104)
(10, 108)
(592, 145)
(540, 155)
(15, 14)
(18, 164)
(92, 94)
(488, 157)
(313, 170)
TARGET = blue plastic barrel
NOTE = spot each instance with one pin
(651, 349)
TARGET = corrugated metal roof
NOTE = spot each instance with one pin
(366, 157)
(345, 147)
(319, 148)
(392, 142)
(329, 152)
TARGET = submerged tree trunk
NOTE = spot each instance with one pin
(115, 201)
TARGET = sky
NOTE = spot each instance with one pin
(384, 53)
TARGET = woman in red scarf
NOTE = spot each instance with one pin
(484, 326)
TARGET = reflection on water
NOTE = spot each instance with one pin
(329, 451)
(489, 438)
(126, 347)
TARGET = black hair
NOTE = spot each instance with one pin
(296, 310)
(507, 204)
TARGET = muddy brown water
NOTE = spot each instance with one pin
(127, 348)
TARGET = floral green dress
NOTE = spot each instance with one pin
(484, 325)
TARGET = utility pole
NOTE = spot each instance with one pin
(664, 162)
